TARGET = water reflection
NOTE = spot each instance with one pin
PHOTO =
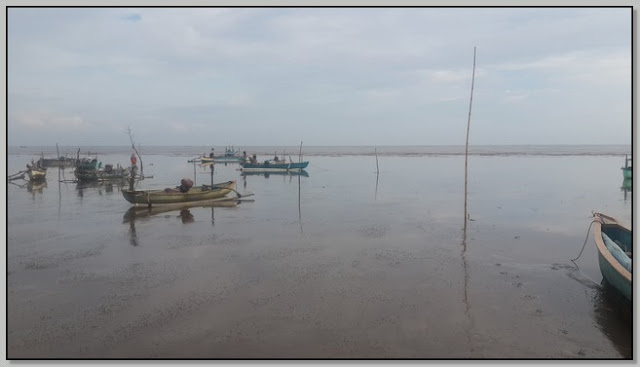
(614, 317)
(36, 186)
(107, 186)
(142, 213)
(626, 187)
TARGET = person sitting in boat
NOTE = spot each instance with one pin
(253, 159)
(275, 159)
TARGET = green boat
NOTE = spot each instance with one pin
(626, 170)
(175, 195)
(615, 251)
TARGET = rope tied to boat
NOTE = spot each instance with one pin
(596, 219)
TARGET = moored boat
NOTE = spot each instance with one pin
(36, 172)
(57, 162)
(615, 251)
(176, 195)
(273, 166)
(627, 170)
(88, 170)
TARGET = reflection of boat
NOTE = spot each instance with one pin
(626, 187)
(266, 174)
(615, 250)
(137, 213)
(36, 186)
(273, 166)
(626, 184)
(175, 195)
(614, 317)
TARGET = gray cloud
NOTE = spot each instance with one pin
(323, 75)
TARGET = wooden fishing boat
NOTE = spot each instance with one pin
(615, 251)
(88, 170)
(175, 195)
(36, 172)
(273, 166)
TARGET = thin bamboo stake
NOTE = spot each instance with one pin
(300, 154)
(377, 167)
(466, 151)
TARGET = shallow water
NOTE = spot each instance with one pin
(343, 263)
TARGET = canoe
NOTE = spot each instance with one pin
(271, 166)
(615, 251)
(174, 195)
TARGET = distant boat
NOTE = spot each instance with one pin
(273, 166)
(229, 156)
(57, 162)
(175, 195)
(626, 170)
(615, 251)
(302, 173)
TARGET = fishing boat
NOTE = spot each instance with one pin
(302, 173)
(89, 170)
(273, 165)
(626, 170)
(36, 172)
(229, 156)
(177, 195)
(60, 161)
(57, 162)
(615, 251)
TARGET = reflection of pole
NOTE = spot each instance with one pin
(299, 207)
(195, 182)
(133, 237)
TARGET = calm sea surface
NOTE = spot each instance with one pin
(340, 263)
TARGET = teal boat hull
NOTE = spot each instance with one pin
(611, 256)
(626, 172)
(274, 167)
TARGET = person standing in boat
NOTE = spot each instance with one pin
(134, 170)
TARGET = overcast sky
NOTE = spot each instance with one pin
(325, 76)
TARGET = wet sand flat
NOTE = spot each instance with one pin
(339, 264)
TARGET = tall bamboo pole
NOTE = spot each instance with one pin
(466, 150)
